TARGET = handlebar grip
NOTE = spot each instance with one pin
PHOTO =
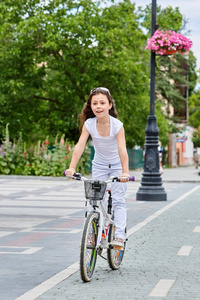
(117, 179)
(132, 178)
(76, 176)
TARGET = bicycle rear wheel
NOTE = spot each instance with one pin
(115, 255)
(88, 251)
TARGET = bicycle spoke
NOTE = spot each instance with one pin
(88, 252)
(116, 254)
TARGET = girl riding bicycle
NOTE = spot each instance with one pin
(99, 119)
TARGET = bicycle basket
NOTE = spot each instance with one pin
(94, 190)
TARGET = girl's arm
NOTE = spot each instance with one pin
(78, 151)
(123, 153)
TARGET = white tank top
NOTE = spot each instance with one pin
(106, 148)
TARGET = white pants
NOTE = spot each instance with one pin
(118, 190)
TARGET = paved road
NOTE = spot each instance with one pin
(161, 261)
(40, 229)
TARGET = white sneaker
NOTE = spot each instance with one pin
(118, 242)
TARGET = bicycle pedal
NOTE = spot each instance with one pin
(100, 251)
(115, 247)
(118, 248)
(110, 246)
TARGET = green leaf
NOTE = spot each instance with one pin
(6, 171)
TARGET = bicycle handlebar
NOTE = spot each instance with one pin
(77, 176)
(132, 178)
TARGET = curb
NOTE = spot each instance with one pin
(49, 178)
(32, 177)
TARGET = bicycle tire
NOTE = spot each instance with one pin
(114, 255)
(88, 251)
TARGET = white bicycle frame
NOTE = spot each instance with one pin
(98, 207)
(105, 219)
(104, 223)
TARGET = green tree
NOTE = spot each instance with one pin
(174, 73)
(53, 52)
(167, 18)
(173, 76)
(194, 109)
(196, 137)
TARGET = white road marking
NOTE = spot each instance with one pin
(162, 288)
(159, 212)
(51, 230)
(50, 283)
(56, 279)
(40, 203)
(25, 222)
(75, 230)
(39, 211)
(196, 229)
(27, 250)
(185, 250)
(5, 233)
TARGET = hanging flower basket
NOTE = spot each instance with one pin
(168, 42)
(170, 52)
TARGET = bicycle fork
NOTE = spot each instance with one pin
(104, 221)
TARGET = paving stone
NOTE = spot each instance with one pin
(151, 252)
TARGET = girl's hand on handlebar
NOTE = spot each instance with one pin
(125, 177)
(70, 171)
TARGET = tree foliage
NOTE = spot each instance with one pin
(167, 18)
(196, 137)
(194, 109)
(53, 53)
(174, 73)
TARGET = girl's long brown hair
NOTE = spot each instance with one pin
(87, 112)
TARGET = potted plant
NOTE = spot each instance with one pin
(168, 42)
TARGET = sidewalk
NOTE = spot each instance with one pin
(159, 262)
(40, 232)
(179, 174)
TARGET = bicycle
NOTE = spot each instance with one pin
(99, 229)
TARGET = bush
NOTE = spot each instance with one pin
(196, 137)
(12, 158)
(40, 160)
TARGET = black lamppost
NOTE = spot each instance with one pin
(151, 183)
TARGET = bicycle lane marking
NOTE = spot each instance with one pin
(66, 273)
(50, 283)
(159, 212)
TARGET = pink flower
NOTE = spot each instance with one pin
(46, 141)
(162, 41)
(62, 141)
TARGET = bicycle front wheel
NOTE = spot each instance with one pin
(115, 255)
(88, 251)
